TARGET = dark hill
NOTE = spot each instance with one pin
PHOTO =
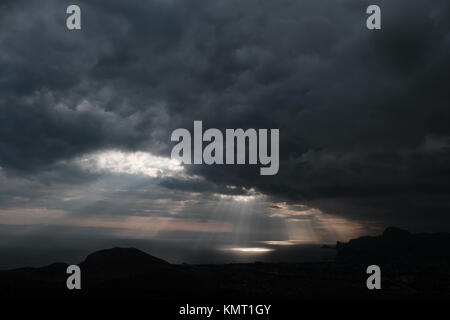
(413, 266)
(121, 257)
(132, 273)
(396, 246)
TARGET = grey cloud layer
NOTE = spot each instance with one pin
(363, 115)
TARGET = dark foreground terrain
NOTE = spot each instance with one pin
(412, 266)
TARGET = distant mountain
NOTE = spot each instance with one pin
(396, 246)
(413, 266)
(118, 262)
(121, 256)
(116, 272)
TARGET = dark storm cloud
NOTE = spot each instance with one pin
(363, 115)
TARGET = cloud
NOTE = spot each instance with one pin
(135, 163)
(363, 116)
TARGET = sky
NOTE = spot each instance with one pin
(86, 118)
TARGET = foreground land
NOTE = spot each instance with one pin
(413, 266)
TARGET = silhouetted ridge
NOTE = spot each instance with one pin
(131, 273)
(125, 256)
(395, 233)
(120, 262)
(396, 245)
